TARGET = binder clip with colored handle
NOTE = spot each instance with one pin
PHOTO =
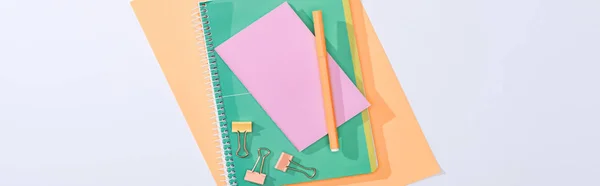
(240, 127)
(283, 164)
(258, 177)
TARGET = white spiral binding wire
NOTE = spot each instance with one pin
(202, 30)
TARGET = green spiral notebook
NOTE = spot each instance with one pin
(221, 20)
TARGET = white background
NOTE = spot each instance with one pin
(506, 92)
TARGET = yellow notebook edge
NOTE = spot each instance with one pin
(431, 166)
(360, 85)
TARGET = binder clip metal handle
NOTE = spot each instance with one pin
(237, 152)
(240, 127)
(283, 164)
(258, 177)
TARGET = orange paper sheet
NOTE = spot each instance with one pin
(169, 30)
(403, 153)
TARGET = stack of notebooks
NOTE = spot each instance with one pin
(245, 74)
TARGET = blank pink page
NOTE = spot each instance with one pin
(276, 60)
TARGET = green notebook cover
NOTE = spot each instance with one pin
(223, 19)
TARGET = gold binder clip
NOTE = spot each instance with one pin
(240, 127)
(283, 164)
(257, 177)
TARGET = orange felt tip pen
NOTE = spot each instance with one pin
(325, 81)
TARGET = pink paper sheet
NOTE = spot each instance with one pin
(276, 60)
